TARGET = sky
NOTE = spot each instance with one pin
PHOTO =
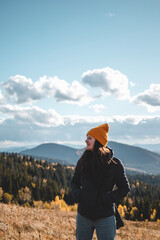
(67, 66)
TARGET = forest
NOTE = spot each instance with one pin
(24, 180)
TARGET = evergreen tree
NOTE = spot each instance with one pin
(46, 180)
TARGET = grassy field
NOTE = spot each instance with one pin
(30, 223)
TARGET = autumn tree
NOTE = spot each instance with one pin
(24, 195)
(7, 198)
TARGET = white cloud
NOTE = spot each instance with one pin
(97, 107)
(40, 117)
(32, 115)
(62, 91)
(20, 123)
(110, 81)
(149, 98)
(127, 119)
(40, 126)
(76, 119)
(11, 144)
(131, 129)
(20, 90)
(1, 98)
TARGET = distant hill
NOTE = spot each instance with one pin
(55, 152)
(135, 159)
(150, 147)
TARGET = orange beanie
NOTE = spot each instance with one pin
(100, 133)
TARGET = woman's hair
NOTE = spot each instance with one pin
(93, 162)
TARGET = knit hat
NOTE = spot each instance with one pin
(100, 133)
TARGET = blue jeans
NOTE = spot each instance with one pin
(105, 228)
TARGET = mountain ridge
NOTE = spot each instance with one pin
(133, 157)
(54, 151)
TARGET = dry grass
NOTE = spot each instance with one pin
(43, 224)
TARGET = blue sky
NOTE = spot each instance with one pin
(67, 66)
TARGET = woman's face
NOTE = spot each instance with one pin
(90, 143)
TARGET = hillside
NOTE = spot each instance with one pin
(150, 147)
(137, 158)
(134, 158)
(31, 223)
(55, 152)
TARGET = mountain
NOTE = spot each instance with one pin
(135, 159)
(55, 152)
(150, 147)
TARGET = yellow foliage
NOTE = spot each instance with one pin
(57, 199)
(57, 204)
(74, 207)
(24, 195)
(153, 215)
(137, 183)
(62, 205)
(54, 205)
(26, 205)
(134, 212)
(38, 204)
(39, 166)
(130, 201)
(7, 198)
(122, 210)
(44, 180)
(46, 205)
(33, 185)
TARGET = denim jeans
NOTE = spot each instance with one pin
(105, 228)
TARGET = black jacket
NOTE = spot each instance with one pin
(96, 197)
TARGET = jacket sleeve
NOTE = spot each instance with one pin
(122, 184)
(76, 183)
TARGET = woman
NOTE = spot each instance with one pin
(96, 174)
